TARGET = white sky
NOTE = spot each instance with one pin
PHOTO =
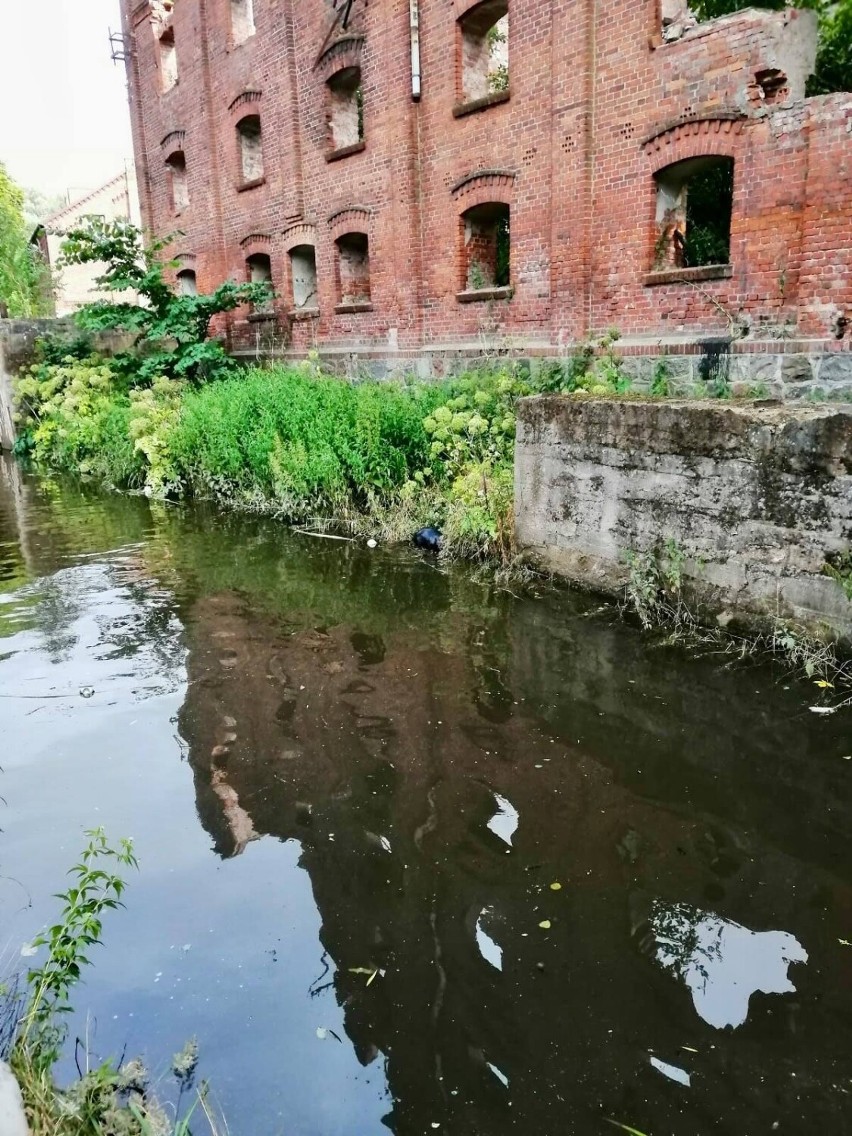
(64, 122)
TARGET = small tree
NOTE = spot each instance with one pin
(172, 330)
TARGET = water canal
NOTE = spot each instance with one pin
(354, 782)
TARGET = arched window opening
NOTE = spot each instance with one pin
(259, 271)
(303, 273)
(486, 247)
(353, 268)
(694, 208)
(187, 282)
(168, 60)
(346, 108)
(485, 50)
(251, 148)
(180, 184)
(242, 20)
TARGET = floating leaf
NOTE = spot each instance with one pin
(823, 684)
(545, 924)
(556, 886)
(361, 970)
(625, 1127)
(372, 976)
(844, 943)
(823, 709)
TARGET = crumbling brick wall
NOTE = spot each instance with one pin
(598, 103)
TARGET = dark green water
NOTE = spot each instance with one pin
(335, 761)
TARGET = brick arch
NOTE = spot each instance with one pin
(303, 233)
(256, 242)
(175, 140)
(186, 260)
(244, 104)
(462, 8)
(343, 53)
(350, 219)
(717, 137)
(483, 186)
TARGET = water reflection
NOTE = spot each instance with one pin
(722, 963)
(354, 780)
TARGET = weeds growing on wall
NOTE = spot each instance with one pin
(655, 594)
(107, 1100)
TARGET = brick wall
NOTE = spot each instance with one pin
(597, 105)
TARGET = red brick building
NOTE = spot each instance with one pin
(418, 177)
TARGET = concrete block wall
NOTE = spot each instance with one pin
(757, 498)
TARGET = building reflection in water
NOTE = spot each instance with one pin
(437, 808)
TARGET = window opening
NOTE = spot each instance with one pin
(303, 273)
(259, 271)
(487, 246)
(251, 148)
(353, 261)
(180, 183)
(694, 209)
(346, 108)
(485, 50)
(187, 283)
(168, 59)
(242, 20)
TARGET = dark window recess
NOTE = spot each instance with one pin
(180, 184)
(694, 209)
(251, 148)
(486, 247)
(259, 271)
(303, 273)
(187, 285)
(353, 268)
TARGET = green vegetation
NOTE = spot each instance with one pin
(833, 70)
(840, 570)
(171, 331)
(24, 277)
(107, 1100)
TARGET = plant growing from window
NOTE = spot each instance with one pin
(164, 316)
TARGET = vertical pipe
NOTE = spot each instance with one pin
(414, 10)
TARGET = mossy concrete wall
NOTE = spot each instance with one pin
(757, 496)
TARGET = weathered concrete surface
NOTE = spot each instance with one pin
(757, 497)
(13, 1122)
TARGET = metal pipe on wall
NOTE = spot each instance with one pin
(414, 10)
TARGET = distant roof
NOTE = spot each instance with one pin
(75, 205)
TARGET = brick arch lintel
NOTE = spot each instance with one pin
(257, 241)
(697, 136)
(173, 141)
(350, 219)
(482, 186)
(185, 260)
(341, 54)
(302, 233)
(245, 103)
(462, 7)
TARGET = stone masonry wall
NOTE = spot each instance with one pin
(758, 498)
(597, 104)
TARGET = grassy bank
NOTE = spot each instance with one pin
(384, 459)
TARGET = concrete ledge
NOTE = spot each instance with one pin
(756, 498)
(13, 1120)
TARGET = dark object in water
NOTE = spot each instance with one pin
(429, 538)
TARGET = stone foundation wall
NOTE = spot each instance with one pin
(758, 499)
(17, 351)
